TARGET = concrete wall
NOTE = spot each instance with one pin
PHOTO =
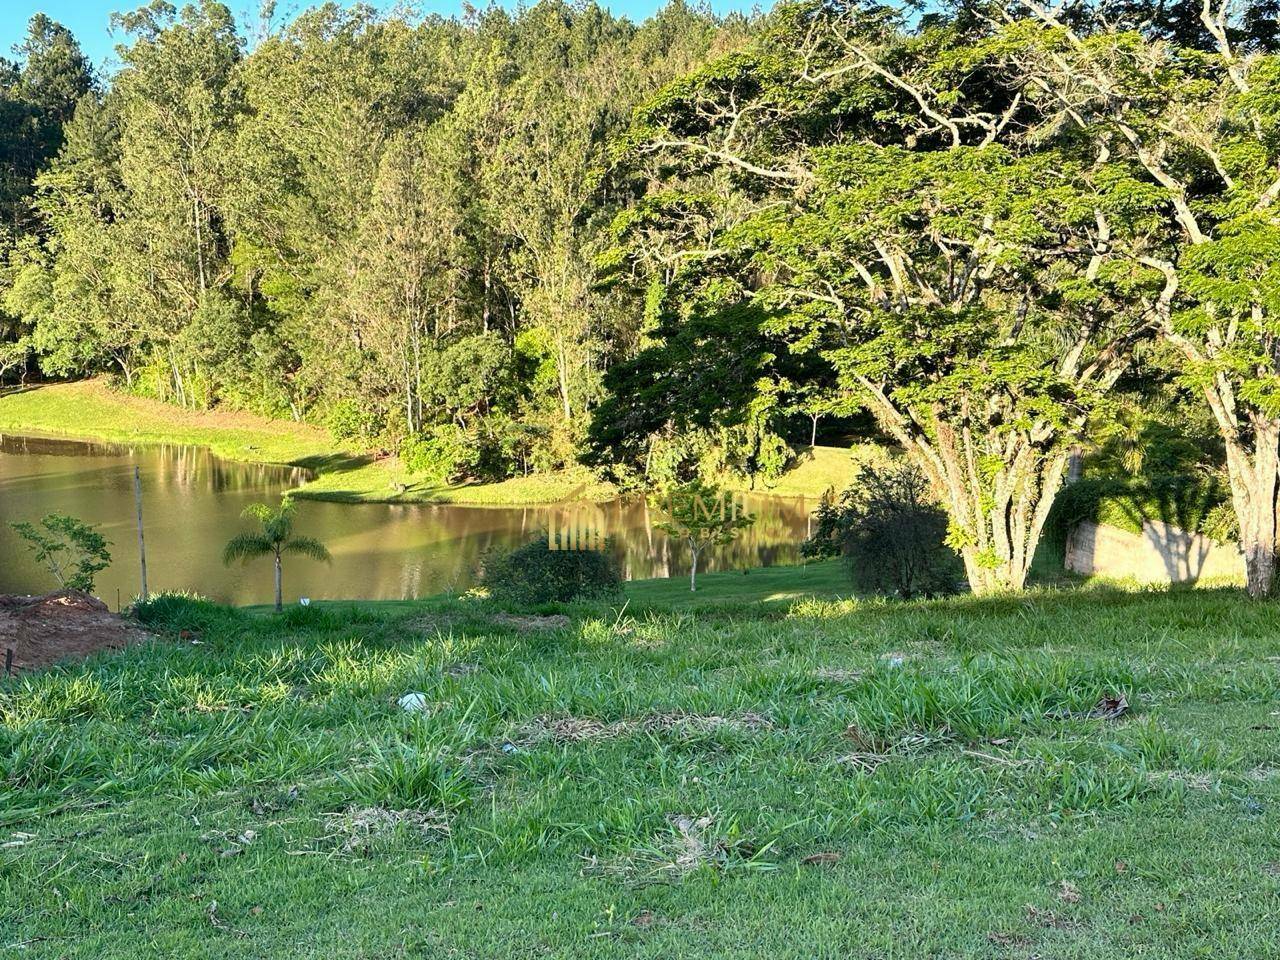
(1160, 554)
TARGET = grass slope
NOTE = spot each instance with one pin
(91, 410)
(818, 469)
(769, 778)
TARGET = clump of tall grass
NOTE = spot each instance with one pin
(402, 776)
(982, 697)
(182, 610)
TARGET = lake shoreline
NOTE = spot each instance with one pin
(92, 411)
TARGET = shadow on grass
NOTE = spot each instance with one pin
(14, 389)
(333, 462)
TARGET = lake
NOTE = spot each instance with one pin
(193, 501)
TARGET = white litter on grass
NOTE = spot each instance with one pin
(413, 702)
(305, 601)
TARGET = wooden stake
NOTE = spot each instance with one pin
(142, 545)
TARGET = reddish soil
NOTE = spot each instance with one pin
(63, 625)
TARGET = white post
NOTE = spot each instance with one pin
(142, 545)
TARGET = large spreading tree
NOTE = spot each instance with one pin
(1196, 118)
(867, 197)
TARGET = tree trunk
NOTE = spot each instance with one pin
(693, 570)
(1001, 518)
(562, 371)
(1254, 481)
(813, 434)
(279, 584)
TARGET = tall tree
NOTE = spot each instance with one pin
(1198, 130)
(37, 98)
(858, 190)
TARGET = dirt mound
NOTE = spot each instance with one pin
(62, 625)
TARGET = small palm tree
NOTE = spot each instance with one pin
(274, 540)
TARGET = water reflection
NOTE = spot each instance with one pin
(193, 501)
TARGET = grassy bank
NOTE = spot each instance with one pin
(91, 410)
(766, 778)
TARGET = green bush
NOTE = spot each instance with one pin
(440, 455)
(349, 420)
(182, 611)
(534, 573)
(73, 551)
(890, 532)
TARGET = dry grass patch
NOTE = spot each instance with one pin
(562, 730)
(358, 828)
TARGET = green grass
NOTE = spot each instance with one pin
(761, 586)
(818, 469)
(657, 781)
(91, 410)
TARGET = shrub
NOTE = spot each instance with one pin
(349, 420)
(889, 531)
(534, 573)
(182, 611)
(442, 454)
(71, 550)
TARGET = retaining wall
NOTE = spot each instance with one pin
(1162, 553)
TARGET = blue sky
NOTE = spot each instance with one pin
(89, 19)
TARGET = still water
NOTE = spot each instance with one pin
(192, 506)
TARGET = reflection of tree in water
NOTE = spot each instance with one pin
(380, 550)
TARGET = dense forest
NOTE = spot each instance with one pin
(1007, 232)
(384, 225)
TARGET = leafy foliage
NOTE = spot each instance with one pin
(700, 516)
(535, 573)
(71, 550)
(442, 455)
(274, 540)
(380, 222)
(846, 209)
(890, 532)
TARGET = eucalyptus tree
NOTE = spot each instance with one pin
(855, 190)
(1196, 131)
(70, 287)
(326, 98)
(179, 104)
(38, 95)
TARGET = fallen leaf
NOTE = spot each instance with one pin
(1109, 708)
(824, 857)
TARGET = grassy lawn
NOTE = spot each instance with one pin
(816, 469)
(91, 410)
(749, 776)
